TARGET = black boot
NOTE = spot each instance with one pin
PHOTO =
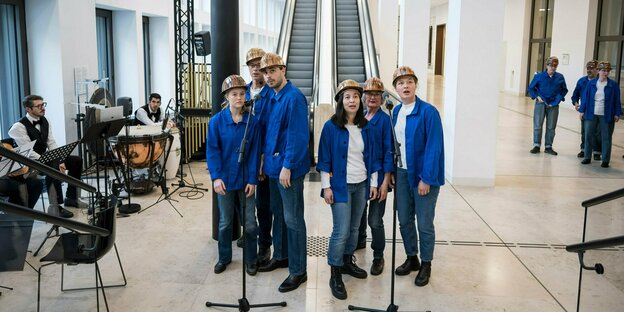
(349, 267)
(335, 283)
(411, 264)
(422, 278)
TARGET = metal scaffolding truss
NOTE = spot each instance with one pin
(184, 56)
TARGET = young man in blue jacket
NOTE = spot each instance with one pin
(286, 162)
(419, 173)
(548, 89)
(260, 94)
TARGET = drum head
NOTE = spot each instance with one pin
(101, 96)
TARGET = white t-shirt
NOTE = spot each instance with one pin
(599, 98)
(399, 128)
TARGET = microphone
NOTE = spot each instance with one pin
(251, 101)
(388, 103)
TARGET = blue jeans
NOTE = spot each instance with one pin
(551, 113)
(227, 205)
(346, 219)
(289, 228)
(598, 123)
(413, 208)
(265, 217)
(375, 221)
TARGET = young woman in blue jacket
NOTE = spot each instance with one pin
(603, 109)
(346, 165)
(419, 174)
(232, 183)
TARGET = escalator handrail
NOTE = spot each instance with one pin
(596, 244)
(334, 74)
(317, 52)
(283, 43)
(603, 198)
(368, 42)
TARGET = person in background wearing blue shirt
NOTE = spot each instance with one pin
(548, 88)
(576, 96)
(346, 164)
(381, 137)
(286, 162)
(230, 181)
(419, 175)
(258, 89)
(603, 109)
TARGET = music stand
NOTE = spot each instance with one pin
(59, 153)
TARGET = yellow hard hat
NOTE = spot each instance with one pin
(254, 53)
(347, 84)
(271, 59)
(553, 60)
(403, 71)
(373, 84)
(231, 82)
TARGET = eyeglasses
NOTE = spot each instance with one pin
(42, 105)
(373, 93)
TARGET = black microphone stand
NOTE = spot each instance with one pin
(243, 303)
(182, 183)
(398, 163)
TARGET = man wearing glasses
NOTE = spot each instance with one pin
(35, 127)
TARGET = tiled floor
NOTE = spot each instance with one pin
(499, 248)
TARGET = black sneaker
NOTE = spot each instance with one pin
(64, 213)
(585, 161)
(550, 151)
(220, 266)
(252, 268)
(581, 154)
(596, 156)
(377, 266)
(604, 164)
(535, 150)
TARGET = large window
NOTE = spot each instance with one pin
(541, 35)
(610, 38)
(13, 63)
(147, 70)
(104, 29)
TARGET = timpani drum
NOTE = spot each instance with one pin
(175, 155)
(142, 148)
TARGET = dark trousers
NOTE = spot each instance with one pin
(10, 187)
(265, 217)
(73, 164)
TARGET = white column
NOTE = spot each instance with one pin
(61, 39)
(472, 90)
(573, 38)
(162, 58)
(387, 42)
(128, 55)
(414, 40)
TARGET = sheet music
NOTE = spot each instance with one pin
(8, 166)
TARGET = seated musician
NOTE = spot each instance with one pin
(34, 126)
(150, 114)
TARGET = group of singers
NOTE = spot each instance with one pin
(359, 160)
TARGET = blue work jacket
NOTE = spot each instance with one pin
(424, 144)
(262, 110)
(551, 89)
(222, 150)
(287, 134)
(613, 105)
(578, 93)
(332, 157)
(382, 143)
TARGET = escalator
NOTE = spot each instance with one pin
(349, 50)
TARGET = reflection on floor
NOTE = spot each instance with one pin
(498, 248)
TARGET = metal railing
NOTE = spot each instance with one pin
(283, 43)
(368, 43)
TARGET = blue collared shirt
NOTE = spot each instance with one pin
(262, 109)
(332, 157)
(381, 139)
(222, 149)
(287, 134)
(424, 144)
(551, 89)
(612, 103)
(577, 94)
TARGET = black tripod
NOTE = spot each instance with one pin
(243, 303)
(194, 186)
(397, 163)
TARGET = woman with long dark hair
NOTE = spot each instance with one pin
(348, 179)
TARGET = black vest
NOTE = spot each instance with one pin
(155, 117)
(41, 136)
